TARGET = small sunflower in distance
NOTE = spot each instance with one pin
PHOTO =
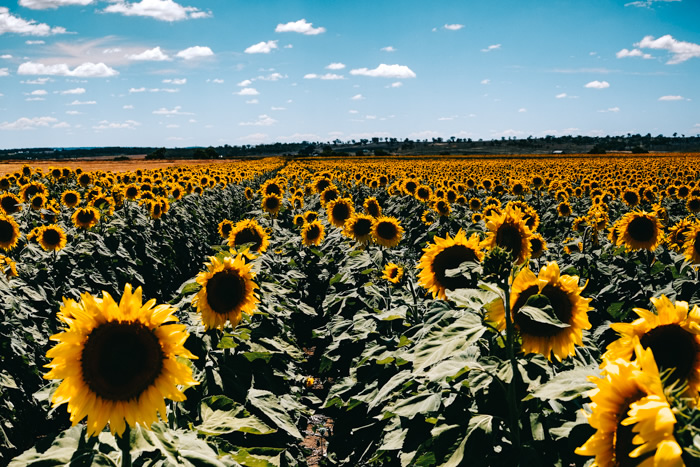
(387, 231)
(672, 334)
(85, 217)
(9, 233)
(225, 227)
(118, 362)
(228, 291)
(445, 254)
(272, 204)
(313, 233)
(51, 237)
(639, 230)
(563, 295)
(393, 273)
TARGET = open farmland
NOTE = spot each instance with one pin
(351, 311)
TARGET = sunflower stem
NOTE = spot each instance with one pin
(124, 443)
(511, 395)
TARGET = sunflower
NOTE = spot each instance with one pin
(387, 231)
(272, 204)
(537, 245)
(310, 216)
(693, 204)
(639, 230)
(227, 291)
(9, 233)
(359, 228)
(446, 254)
(508, 231)
(475, 204)
(442, 207)
(329, 194)
(85, 217)
(299, 220)
(632, 418)
(118, 362)
(225, 227)
(249, 193)
(477, 217)
(393, 273)
(564, 209)
(372, 207)
(339, 210)
(10, 203)
(132, 191)
(672, 334)
(423, 193)
(248, 231)
(51, 237)
(563, 295)
(38, 202)
(691, 247)
(312, 233)
(630, 197)
(530, 216)
(29, 190)
(428, 217)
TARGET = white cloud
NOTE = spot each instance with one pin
(335, 66)
(278, 108)
(39, 81)
(254, 138)
(272, 77)
(611, 109)
(301, 26)
(247, 92)
(61, 125)
(648, 3)
(352, 111)
(86, 70)
(151, 55)
(561, 96)
(128, 107)
(106, 125)
(51, 4)
(386, 71)
(671, 98)
(16, 25)
(681, 50)
(135, 90)
(357, 97)
(195, 52)
(216, 81)
(4, 72)
(25, 123)
(485, 81)
(73, 112)
(327, 76)
(522, 110)
(77, 102)
(245, 82)
(176, 81)
(453, 27)
(6, 56)
(491, 47)
(388, 49)
(38, 92)
(174, 111)
(288, 46)
(35, 42)
(597, 85)
(263, 120)
(396, 84)
(74, 91)
(252, 101)
(633, 53)
(163, 10)
(261, 47)
(31, 99)
(113, 50)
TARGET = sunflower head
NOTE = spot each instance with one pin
(359, 228)
(313, 233)
(339, 210)
(445, 255)
(393, 273)
(298, 220)
(51, 237)
(9, 233)
(508, 230)
(639, 230)
(387, 231)
(538, 245)
(118, 362)
(310, 216)
(225, 227)
(10, 203)
(248, 231)
(272, 204)
(442, 207)
(372, 207)
(228, 290)
(85, 217)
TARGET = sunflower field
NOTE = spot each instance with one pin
(353, 311)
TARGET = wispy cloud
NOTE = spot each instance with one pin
(51, 4)
(86, 70)
(611, 109)
(247, 92)
(671, 98)
(648, 3)
(327, 76)
(176, 81)
(26, 123)
(151, 55)
(301, 27)
(388, 49)
(633, 53)
(77, 102)
(386, 71)
(453, 27)
(335, 66)
(564, 95)
(681, 50)
(16, 25)
(162, 10)
(74, 91)
(491, 48)
(174, 111)
(597, 85)
(261, 47)
(357, 97)
(107, 125)
(263, 120)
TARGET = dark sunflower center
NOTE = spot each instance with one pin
(386, 230)
(630, 197)
(474, 205)
(561, 305)
(31, 191)
(51, 237)
(450, 258)
(694, 204)
(442, 206)
(329, 196)
(85, 216)
(673, 347)
(9, 205)
(509, 237)
(341, 211)
(121, 360)
(311, 217)
(131, 192)
(536, 245)
(642, 229)
(696, 243)
(248, 235)
(70, 198)
(84, 179)
(226, 229)
(225, 291)
(411, 187)
(373, 209)
(6, 231)
(362, 227)
(273, 189)
(393, 272)
(423, 193)
(313, 232)
(37, 202)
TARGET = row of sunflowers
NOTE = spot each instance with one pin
(436, 312)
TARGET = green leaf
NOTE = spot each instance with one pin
(566, 386)
(424, 403)
(271, 406)
(543, 315)
(252, 356)
(477, 422)
(218, 422)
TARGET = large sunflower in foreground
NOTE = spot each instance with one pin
(51, 237)
(563, 294)
(639, 230)
(508, 231)
(387, 231)
(9, 232)
(228, 290)
(672, 334)
(633, 420)
(445, 254)
(248, 231)
(118, 362)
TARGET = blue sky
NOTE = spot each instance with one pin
(198, 73)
